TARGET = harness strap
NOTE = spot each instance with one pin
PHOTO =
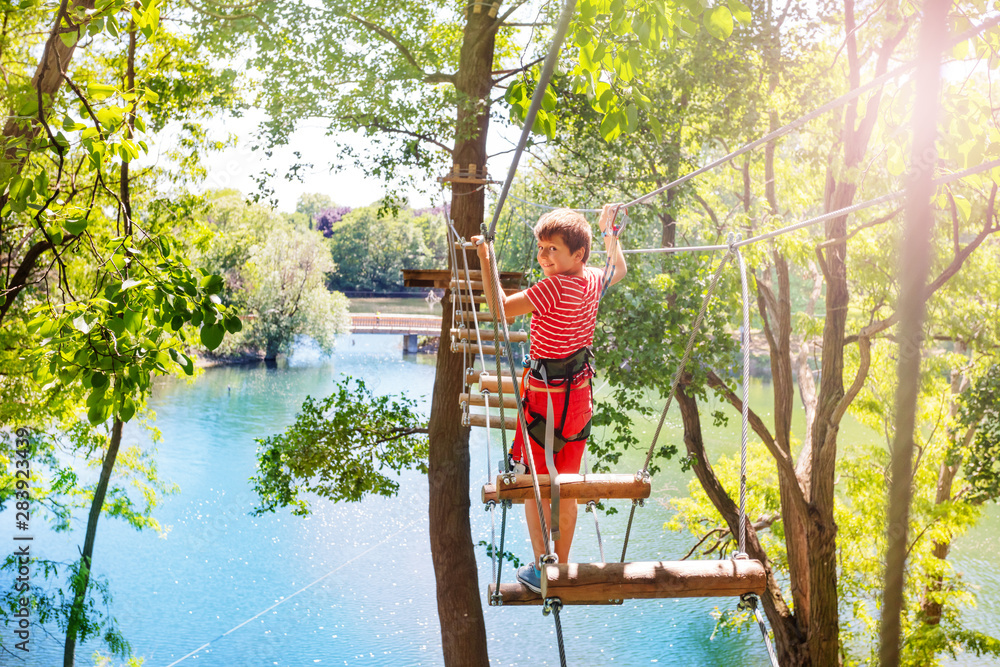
(550, 460)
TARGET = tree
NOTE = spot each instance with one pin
(276, 274)
(311, 204)
(371, 251)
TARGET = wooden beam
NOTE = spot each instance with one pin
(487, 335)
(510, 423)
(517, 594)
(576, 582)
(489, 383)
(580, 487)
(440, 278)
(477, 400)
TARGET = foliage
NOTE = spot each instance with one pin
(371, 251)
(311, 204)
(328, 217)
(339, 448)
(980, 408)
(98, 297)
(275, 273)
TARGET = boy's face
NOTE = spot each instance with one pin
(555, 258)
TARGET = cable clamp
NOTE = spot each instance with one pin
(732, 239)
(642, 476)
(591, 505)
(496, 599)
(548, 559)
(490, 504)
(508, 478)
(550, 605)
(465, 419)
(507, 503)
(748, 602)
(639, 502)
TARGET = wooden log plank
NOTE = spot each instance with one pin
(465, 317)
(517, 594)
(575, 582)
(489, 383)
(489, 493)
(478, 400)
(510, 423)
(584, 487)
(487, 335)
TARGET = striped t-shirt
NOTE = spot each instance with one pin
(565, 313)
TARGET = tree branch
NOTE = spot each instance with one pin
(429, 77)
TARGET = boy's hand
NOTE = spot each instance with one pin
(608, 215)
(480, 248)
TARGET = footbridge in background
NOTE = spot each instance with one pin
(409, 326)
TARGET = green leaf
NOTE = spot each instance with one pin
(76, 227)
(151, 95)
(740, 12)
(611, 125)
(176, 322)
(233, 324)
(127, 409)
(69, 38)
(212, 284)
(719, 22)
(117, 325)
(549, 99)
(631, 118)
(129, 284)
(99, 91)
(97, 414)
(133, 320)
(211, 335)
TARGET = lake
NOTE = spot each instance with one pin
(353, 584)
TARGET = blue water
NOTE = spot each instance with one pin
(353, 583)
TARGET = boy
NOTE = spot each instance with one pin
(564, 313)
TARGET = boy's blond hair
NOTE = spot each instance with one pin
(570, 226)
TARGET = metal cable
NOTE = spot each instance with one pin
(592, 508)
(847, 210)
(767, 639)
(556, 607)
(493, 540)
(536, 102)
(745, 343)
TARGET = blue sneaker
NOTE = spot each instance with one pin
(530, 577)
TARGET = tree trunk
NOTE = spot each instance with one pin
(789, 639)
(460, 611)
(17, 133)
(82, 580)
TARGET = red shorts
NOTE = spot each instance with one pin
(577, 415)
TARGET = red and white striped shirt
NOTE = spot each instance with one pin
(565, 313)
